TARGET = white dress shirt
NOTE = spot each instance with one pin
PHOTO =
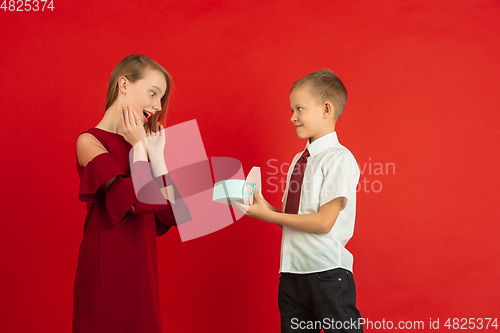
(331, 172)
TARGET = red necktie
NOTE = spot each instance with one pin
(295, 185)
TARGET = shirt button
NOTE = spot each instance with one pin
(340, 279)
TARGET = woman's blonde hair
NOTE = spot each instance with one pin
(133, 67)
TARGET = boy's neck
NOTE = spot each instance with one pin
(311, 140)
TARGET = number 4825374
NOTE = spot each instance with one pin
(471, 323)
(27, 5)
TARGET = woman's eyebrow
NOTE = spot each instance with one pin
(157, 88)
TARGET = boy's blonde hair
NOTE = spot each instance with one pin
(325, 85)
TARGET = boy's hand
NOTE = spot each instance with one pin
(259, 210)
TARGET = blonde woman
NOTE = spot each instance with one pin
(116, 283)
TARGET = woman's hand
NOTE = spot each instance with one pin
(132, 128)
(155, 142)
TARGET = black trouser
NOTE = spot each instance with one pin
(315, 301)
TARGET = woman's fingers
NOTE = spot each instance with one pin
(136, 118)
(132, 118)
(132, 128)
(157, 133)
(128, 116)
(125, 116)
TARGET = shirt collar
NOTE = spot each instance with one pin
(326, 141)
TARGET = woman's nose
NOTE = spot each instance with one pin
(157, 106)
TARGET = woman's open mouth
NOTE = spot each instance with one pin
(146, 115)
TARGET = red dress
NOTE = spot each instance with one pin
(116, 283)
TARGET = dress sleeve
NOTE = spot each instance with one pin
(95, 166)
(151, 200)
(121, 195)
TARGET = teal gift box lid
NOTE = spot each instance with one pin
(238, 189)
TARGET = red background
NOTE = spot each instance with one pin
(423, 90)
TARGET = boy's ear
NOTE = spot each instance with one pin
(328, 110)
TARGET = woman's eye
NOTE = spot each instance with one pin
(153, 93)
(299, 108)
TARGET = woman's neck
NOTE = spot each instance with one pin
(111, 121)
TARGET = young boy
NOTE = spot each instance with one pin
(316, 289)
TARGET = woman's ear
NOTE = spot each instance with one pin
(122, 84)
